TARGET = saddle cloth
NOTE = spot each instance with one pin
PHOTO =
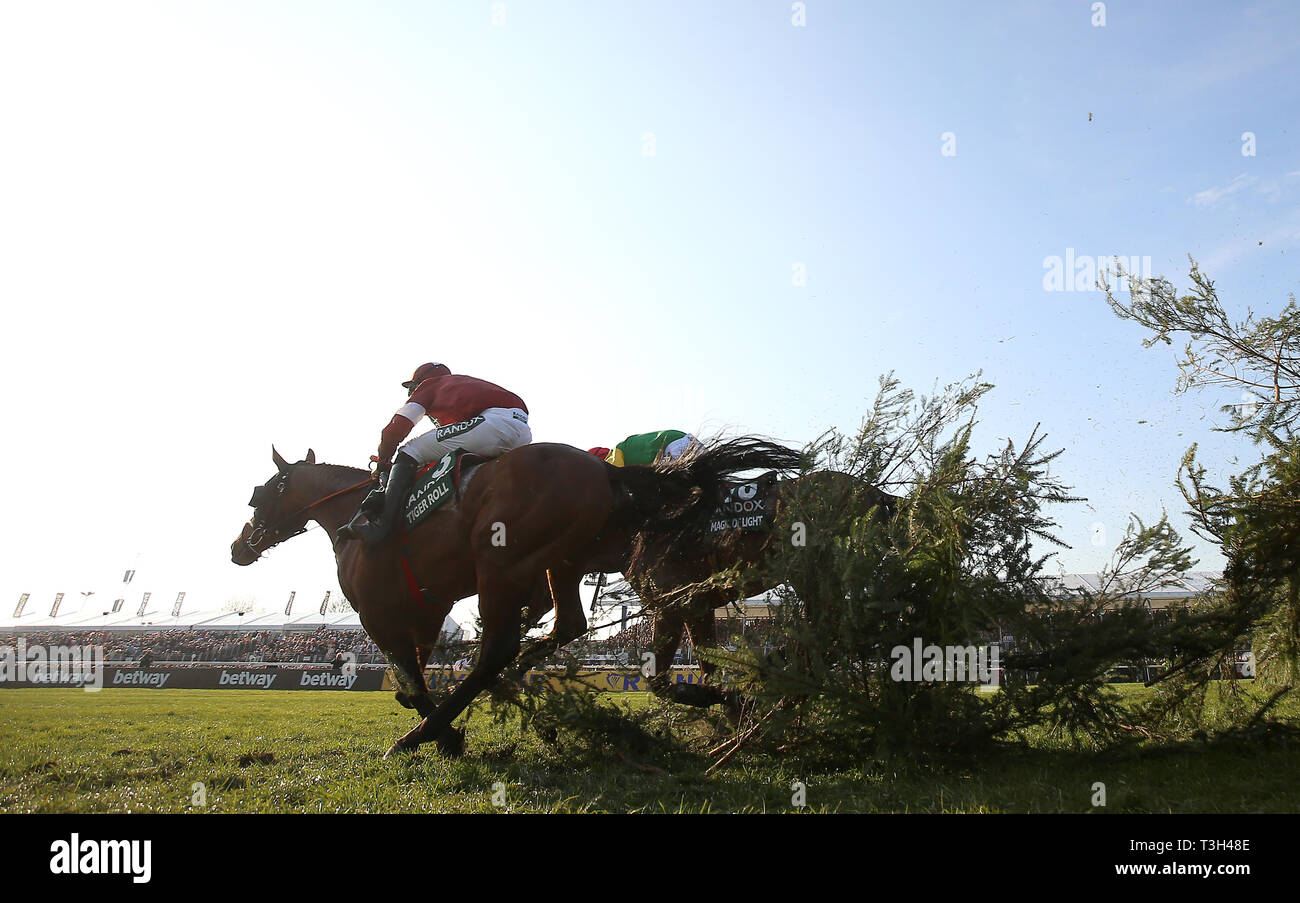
(437, 482)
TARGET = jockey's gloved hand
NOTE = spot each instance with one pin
(374, 500)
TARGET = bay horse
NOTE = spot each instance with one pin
(518, 534)
(670, 573)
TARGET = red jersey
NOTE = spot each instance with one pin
(448, 399)
(453, 398)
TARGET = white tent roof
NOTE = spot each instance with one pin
(234, 620)
(29, 620)
(122, 620)
(210, 620)
(341, 620)
(309, 621)
(1192, 583)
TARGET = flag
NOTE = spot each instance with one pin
(128, 576)
(176, 609)
(22, 603)
(117, 605)
(144, 605)
(326, 601)
(58, 600)
(289, 605)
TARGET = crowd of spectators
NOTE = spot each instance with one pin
(193, 646)
(324, 645)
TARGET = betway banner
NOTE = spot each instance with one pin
(218, 677)
(614, 681)
(298, 677)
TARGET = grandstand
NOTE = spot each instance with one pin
(209, 636)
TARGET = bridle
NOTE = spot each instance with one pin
(260, 530)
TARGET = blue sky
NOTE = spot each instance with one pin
(229, 224)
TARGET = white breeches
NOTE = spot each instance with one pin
(492, 433)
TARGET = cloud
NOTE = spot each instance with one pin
(1283, 234)
(1210, 197)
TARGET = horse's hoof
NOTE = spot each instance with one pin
(451, 742)
(395, 749)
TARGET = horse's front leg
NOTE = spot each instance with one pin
(704, 634)
(671, 624)
(665, 641)
(413, 693)
(501, 623)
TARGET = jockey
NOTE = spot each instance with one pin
(650, 448)
(467, 413)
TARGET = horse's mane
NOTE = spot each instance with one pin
(342, 470)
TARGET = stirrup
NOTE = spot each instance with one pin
(370, 532)
(350, 529)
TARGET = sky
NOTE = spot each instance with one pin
(227, 225)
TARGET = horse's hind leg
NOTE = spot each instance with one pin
(562, 587)
(570, 622)
(540, 603)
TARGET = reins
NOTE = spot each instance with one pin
(260, 531)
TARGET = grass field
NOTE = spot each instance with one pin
(128, 750)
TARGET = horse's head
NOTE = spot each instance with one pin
(279, 510)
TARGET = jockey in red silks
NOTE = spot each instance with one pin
(467, 413)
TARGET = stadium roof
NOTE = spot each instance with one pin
(1193, 583)
(202, 620)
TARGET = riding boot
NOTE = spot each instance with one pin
(400, 478)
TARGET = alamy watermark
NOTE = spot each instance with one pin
(930, 663)
(69, 666)
(1082, 273)
(103, 857)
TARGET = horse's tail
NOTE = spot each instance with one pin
(680, 495)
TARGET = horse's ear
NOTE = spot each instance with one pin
(311, 456)
(280, 464)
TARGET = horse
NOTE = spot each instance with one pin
(670, 573)
(517, 534)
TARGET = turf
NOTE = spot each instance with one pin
(129, 750)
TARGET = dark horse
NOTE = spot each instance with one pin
(518, 535)
(670, 572)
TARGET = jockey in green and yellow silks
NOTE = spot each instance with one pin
(650, 448)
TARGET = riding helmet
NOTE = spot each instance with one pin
(423, 372)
